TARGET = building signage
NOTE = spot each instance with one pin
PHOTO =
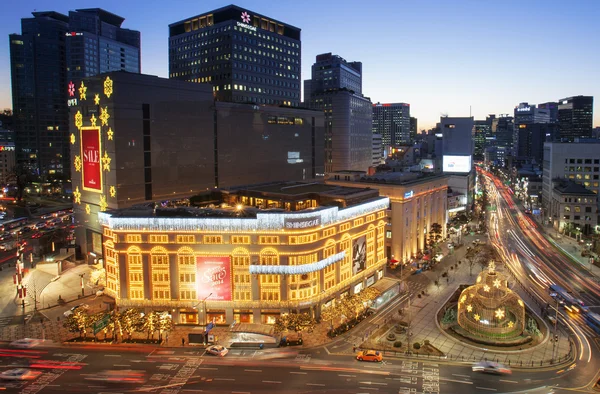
(298, 223)
(73, 34)
(6, 148)
(524, 109)
(213, 278)
(90, 155)
(72, 102)
(408, 194)
(370, 280)
(456, 163)
(359, 254)
(246, 26)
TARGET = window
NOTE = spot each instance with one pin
(213, 239)
(186, 239)
(388, 234)
(241, 275)
(329, 232)
(588, 209)
(240, 239)
(268, 240)
(567, 209)
(159, 265)
(135, 272)
(303, 239)
(344, 227)
(370, 218)
(134, 238)
(159, 238)
(577, 217)
(358, 222)
(577, 208)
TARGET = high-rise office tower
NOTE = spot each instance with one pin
(392, 121)
(336, 89)
(413, 129)
(247, 57)
(575, 117)
(532, 127)
(526, 113)
(96, 44)
(552, 108)
(481, 130)
(51, 48)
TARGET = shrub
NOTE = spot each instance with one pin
(391, 337)
(426, 342)
(416, 345)
(397, 344)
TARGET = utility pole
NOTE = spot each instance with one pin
(555, 339)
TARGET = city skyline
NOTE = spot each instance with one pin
(449, 64)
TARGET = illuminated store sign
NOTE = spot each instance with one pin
(295, 223)
(4, 148)
(246, 26)
(456, 163)
(73, 34)
(409, 194)
(90, 152)
(213, 278)
(72, 102)
(71, 89)
(524, 109)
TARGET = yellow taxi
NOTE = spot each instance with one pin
(369, 355)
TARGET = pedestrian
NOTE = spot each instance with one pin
(354, 348)
(182, 341)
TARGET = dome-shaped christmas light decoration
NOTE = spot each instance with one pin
(493, 310)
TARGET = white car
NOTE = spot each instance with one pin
(491, 367)
(26, 343)
(72, 310)
(20, 374)
(217, 350)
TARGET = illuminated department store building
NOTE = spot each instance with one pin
(247, 254)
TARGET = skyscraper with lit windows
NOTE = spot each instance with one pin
(247, 57)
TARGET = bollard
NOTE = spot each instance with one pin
(542, 362)
(521, 362)
(509, 363)
(532, 363)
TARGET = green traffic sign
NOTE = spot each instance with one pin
(100, 324)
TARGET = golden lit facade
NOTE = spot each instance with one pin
(245, 269)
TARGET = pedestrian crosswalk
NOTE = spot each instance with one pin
(6, 320)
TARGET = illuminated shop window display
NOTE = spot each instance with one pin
(235, 262)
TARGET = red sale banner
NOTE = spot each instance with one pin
(213, 278)
(90, 155)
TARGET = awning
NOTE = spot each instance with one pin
(393, 261)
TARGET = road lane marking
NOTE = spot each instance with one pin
(462, 376)
(122, 365)
(271, 381)
(208, 368)
(253, 370)
(315, 384)
(112, 355)
(348, 376)
(485, 388)
(223, 379)
(379, 384)
(508, 381)
(298, 373)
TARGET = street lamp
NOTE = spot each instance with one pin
(203, 310)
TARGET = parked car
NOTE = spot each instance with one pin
(491, 367)
(217, 350)
(20, 374)
(369, 355)
(72, 310)
(291, 339)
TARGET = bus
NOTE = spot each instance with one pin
(571, 303)
(593, 320)
(12, 224)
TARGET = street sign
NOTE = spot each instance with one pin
(100, 324)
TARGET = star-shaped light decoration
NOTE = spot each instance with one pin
(492, 267)
(113, 191)
(72, 139)
(463, 298)
(520, 303)
(106, 162)
(88, 209)
(486, 288)
(110, 134)
(103, 204)
(97, 99)
(497, 283)
(82, 91)
(104, 116)
(476, 317)
(499, 313)
(93, 120)
(469, 308)
(510, 324)
(108, 87)
(78, 120)
(77, 163)
(77, 195)
(478, 279)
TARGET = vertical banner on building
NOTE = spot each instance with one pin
(91, 170)
(359, 254)
(213, 277)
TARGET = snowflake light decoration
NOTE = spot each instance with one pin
(497, 283)
(82, 91)
(108, 87)
(77, 163)
(93, 120)
(463, 298)
(486, 288)
(103, 204)
(520, 303)
(511, 324)
(110, 134)
(245, 17)
(78, 120)
(106, 162)
(499, 313)
(77, 195)
(112, 191)
(97, 99)
(71, 89)
(469, 308)
(72, 139)
(104, 116)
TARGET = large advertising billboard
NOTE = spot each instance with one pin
(456, 164)
(213, 278)
(91, 169)
(359, 254)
